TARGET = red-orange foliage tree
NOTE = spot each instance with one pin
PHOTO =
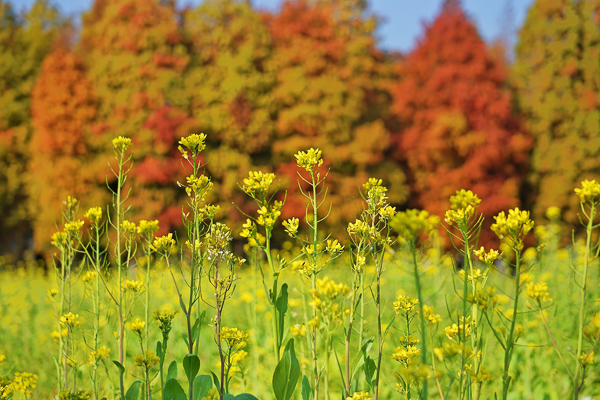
(63, 107)
(137, 55)
(458, 129)
(330, 94)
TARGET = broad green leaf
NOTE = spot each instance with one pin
(133, 393)
(172, 371)
(173, 391)
(245, 396)
(191, 365)
(282, 309)
(202, 384)
(286, 373)
(120, 366)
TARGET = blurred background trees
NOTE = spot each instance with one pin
(450, 114)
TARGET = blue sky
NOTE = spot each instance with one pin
(402, 19)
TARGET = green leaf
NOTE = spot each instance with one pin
(216, 381)
(198, 326)
(172, 371)
(286, 373)
(120, 366)
(281, 304)
(133, 393)
(306, 389)
(245, 396)
(202, 384)
(191, 365)
(173, 390)
(159, 350)
(228, 397)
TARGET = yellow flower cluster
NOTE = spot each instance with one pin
(291, 226)
(133, 286)
(450, 350)
(513, 227)
(361, 229)
(121, 144)
(587, 358)
(71, 320)
(24, 382)
(309, 159)
(462, 207)
(60, 239)
(6, 388)
(268, 216)
(163, 244)
(103, 353)
(147, 360)
(461, 331)
(147, 227)
(538, 291)
(194, 143)
(129, 227)
(94, 215)
(406, 355)
(298, 330)
(334, 247)
(477, 274)
(430, 316)
(411, 224)
(406, 305)
(258, 183)
(73, 227)
(488, 257)
(360, 396)
(89, 276)
(164, 319)
(592, 330)
(210, 210)
(236, 338)
(589, 191)
(326, 299)
(137, 326)
(198, 185)
(213, 394)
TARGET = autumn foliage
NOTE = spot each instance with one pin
(264, 85)
(458, 129)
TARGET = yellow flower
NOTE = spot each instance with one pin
(147, 227)
(360, 396)
(129, 227)
(291, 226)
(406, 355)
(587, 358)
(103, 353)
(406, 305)
(589, 191)
(333, 247)
(411, 224)
(309, 159)
(147, 360)
(73, 227)
(89, 276)
(488, 257)
(6, 388)
(298, 330)
(210, 211)
(193, 142)
(60, 239)
(236, 338)
(213, 394)
(513, 228)
(258, 183)
(24, 381)
(462, 207)
(137, 326)
(134, 286)
(538, 291)
(461, 331)
(94, 214)
(431, 317)
(71, 320)
(163, 244)
(164, 319)
(121, 144)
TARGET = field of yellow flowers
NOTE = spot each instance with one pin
(386, 313)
